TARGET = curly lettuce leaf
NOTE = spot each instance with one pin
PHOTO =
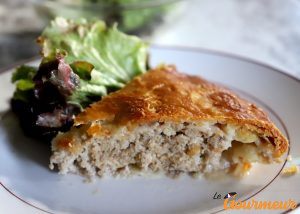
(115, 56)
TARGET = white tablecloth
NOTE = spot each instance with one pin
(264, 30)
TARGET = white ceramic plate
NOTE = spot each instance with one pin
(28, 186)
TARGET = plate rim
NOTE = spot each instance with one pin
(182, 48)
(226, 54)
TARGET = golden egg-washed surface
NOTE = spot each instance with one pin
(163, 94)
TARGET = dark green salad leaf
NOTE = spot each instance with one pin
(82, 61)
(24, 72)
(23, 77)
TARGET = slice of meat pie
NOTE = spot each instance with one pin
(165, 121)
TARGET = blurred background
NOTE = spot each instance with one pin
(264, 30)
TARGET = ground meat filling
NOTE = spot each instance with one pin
(171, 148)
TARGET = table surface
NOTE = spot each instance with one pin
(264, 30)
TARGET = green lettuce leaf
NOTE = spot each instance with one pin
(23, 77)
(25, 85)
(115, 56)
(104, 58)
(82, 69)
(24, 72)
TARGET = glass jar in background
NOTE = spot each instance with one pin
(139, 17)
(22, 21)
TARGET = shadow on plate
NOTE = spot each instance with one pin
(24, 147)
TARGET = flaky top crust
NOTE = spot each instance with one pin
(163, 94)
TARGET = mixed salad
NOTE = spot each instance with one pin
(81, 62)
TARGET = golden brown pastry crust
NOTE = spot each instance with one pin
(164, 94)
